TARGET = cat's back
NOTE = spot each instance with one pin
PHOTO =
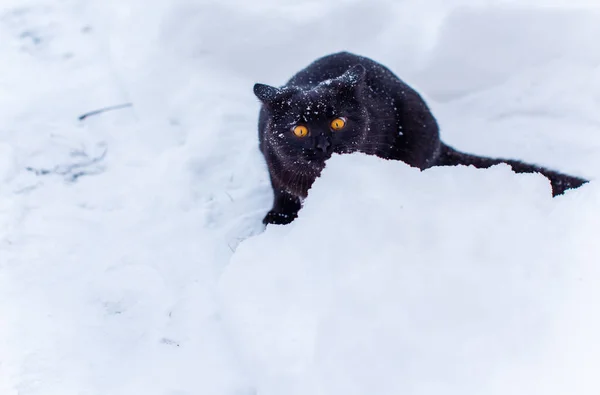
(334, 65)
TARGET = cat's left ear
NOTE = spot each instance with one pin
(265, 93)
(352, 78)
(354, 75)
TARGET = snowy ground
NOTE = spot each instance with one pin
(121, 268)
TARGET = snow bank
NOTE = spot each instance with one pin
(447, 281)
(462, 62)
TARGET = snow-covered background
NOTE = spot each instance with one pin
(133, 259)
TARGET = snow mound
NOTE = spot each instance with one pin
(463, 62)
(397, 281)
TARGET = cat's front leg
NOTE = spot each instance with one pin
(285, 208)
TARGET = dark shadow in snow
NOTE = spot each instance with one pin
(85, 166)
(105, 109)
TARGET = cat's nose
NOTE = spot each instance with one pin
(323, 143)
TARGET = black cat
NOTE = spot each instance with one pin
(345, 103)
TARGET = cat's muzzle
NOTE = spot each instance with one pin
(323, 144)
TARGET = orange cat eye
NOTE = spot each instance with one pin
(300, 131)
(338, 123)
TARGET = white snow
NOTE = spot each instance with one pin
(440, 282)
(133, 259)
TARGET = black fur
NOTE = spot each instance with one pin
(385, 117)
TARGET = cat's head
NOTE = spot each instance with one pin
(305, 126)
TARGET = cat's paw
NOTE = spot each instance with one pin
(279, 218)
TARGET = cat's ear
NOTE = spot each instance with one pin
(354, 75)
(266, 93)
(352, 79)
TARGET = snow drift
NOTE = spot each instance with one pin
(446, 281)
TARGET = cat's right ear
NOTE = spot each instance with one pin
(265, 93)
